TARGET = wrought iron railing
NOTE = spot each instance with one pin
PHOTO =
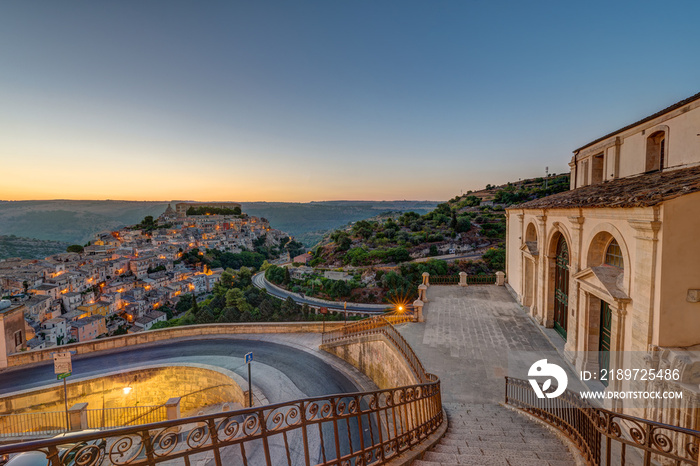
(364, 428)
(444, 280)
(380, 325)
(481, 279)
(606, 437)
(46, 423)
(454, 280)
(110, 418)
(32, 424)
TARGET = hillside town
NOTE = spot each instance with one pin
(122, 281)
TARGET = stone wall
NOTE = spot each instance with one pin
(122, 341)
(377, 358)
(198, 386)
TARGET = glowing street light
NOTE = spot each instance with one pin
(127, 390)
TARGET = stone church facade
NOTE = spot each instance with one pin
(613, 265)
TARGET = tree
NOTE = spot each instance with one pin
(463, 224)
(184, 304)
(433, 250)
(275, 274)
(75, 248)
(495, 258)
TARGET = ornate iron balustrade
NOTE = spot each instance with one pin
(348, 429)
(603, 436)
(365, 428)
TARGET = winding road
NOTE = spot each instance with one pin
(281, 372)
(261, 282)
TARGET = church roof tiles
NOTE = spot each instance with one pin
(644, 190)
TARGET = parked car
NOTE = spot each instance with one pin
(67, 452)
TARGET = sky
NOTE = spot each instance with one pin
(322, 100)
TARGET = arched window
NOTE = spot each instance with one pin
(656, 151)
(613, 255)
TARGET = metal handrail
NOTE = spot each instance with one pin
(32, 424)
(444, 280)
(588, 426)
(357, 428)
(381, 325)
(481, 279)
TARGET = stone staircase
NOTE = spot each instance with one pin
(490, 435)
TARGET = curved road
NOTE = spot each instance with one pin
(260, 282)
(282, 372)
(274, 365)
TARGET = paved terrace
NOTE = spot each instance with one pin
(465, 340)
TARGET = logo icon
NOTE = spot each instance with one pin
(542, 368)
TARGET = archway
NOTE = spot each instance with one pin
(561, 286)
(530, 269)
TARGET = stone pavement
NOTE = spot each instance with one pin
(465, 341)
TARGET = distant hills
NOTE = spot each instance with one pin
(75, 222)
(308, 222)
(469, 222)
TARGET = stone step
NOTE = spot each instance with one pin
(492, 435)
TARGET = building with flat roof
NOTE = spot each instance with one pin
(12, 330)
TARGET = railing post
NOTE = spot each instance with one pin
(462, 278)
(422, 293)
(172, 408)
(500, 278)
(77, 414)
(418, 307)
(426, 279)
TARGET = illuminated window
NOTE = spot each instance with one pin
(613, 255)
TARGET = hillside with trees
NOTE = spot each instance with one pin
(471, 226)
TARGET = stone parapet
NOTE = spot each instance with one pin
(190, 331)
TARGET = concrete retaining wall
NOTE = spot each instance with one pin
(29, 357)
(376, 357)
(198, 385)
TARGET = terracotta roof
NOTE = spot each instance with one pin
(637, 191)
(644, 120)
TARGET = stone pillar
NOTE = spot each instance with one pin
(643, 283)
(574, 324)
(77, 416)
(418, 315)
(172, 408)
(520, 271)
(462, 278)
(542, 269)
(426, 279)
(500, 278)
(422, 293)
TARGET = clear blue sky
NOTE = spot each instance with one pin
(313, 100)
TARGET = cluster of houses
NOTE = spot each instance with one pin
(120, 281)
